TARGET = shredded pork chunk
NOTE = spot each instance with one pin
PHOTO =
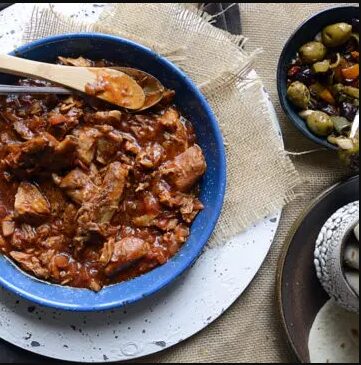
(30, 205)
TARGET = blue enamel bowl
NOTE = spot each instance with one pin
(194, 106)
(304, 33)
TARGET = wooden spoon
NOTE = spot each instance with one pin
(152, 87)
(108, 84)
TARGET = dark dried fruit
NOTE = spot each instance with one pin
(306, 76)
(350, 46)
(324, 78)
(348, 111)
(328, 109)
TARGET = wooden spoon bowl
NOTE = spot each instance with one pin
(152, 87)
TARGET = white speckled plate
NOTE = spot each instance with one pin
(200, 296)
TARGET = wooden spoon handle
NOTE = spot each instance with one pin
(63, 75)
(25, 68)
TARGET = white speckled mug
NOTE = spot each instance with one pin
(329, 256)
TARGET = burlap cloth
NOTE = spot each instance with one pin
(250, 331)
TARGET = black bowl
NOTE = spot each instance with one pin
(306, 32)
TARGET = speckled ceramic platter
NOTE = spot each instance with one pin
(300, 294)
(194, 301)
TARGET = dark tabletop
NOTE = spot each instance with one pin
(229, 20)
(4, 5)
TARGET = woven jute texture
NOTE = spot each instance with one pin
(218, 64)
(261, 176)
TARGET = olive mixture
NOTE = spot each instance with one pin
(91, 196)
(323, 82)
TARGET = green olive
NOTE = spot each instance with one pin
(336, 34)
(320, 123)
(354, 92)
(299, 94)
(312, 52)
